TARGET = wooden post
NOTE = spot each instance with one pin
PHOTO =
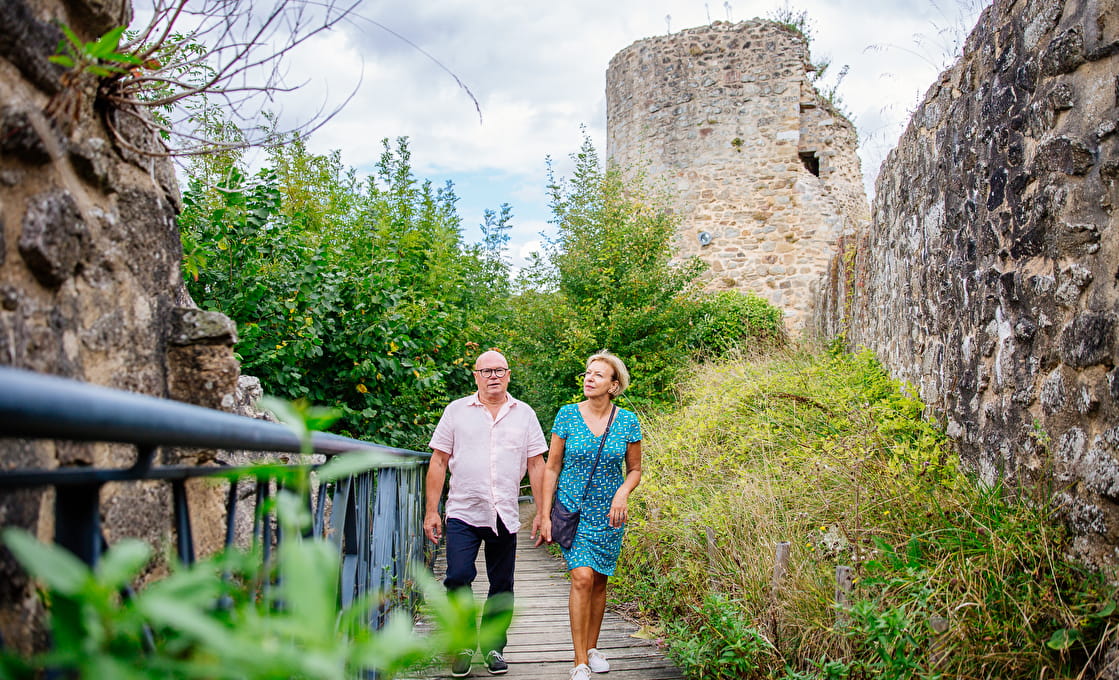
(937, 648)
(780, 569)
(711, 553)
(843, 584)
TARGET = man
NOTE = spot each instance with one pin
(488, 439)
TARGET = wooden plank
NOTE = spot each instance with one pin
(540, 640)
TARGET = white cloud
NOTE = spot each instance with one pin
(538, 72)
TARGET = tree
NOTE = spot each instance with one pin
(607, 280)
(346, 292)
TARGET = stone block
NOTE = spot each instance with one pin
(191, 326)
(205, 375)
(99, 16)
(1064, 54)
(1064, 154)
(37, 41)
(20, 137)
(93, 161)
(53, 238)
(1089, 340)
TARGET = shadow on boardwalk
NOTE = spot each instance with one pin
(540, 639)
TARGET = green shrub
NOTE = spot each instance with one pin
(826, 452)
(230, 616)
(722, 646)
(729, 320)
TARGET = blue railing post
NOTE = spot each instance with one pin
(77, 517)
(184, 537)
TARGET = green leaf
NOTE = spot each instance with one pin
(122, 562)
(103, 71)
(183, 616)
(71, 36)
(319, 418)
(286, 412)
(356, 462)
(107, 44)
(291, 512)
(62, 60)
(197, 583)
(55, 566)
(395, 646)
(311, 598)
(1062, 639)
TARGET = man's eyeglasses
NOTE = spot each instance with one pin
(492, 372)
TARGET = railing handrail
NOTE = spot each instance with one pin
(37, 406)
(375, 515)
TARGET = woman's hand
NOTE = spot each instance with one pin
(619, 511)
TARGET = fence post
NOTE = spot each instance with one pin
(780, 569)
(843, 584)
(711, 551)
(780, 566)
(937, 650)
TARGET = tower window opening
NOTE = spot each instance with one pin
(811, 162)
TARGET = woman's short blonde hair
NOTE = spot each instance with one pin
(620, 372)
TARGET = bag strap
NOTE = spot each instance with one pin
(597, 455)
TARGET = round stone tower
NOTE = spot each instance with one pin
(763, 170)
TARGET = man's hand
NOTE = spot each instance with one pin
(535, 527)
(433, 527)
(542, 527)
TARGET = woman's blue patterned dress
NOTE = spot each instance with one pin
(597, 544)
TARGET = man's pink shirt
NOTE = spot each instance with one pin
(488, 458)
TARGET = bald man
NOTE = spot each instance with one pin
(487, 440)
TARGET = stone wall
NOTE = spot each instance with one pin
(989, 278)
(762, 169)
(90, 287)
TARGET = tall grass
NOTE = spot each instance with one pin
(824, 451)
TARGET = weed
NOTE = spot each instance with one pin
(723, 646)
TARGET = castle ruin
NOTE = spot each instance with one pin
(762, 168)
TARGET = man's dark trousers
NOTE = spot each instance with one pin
(463, 542)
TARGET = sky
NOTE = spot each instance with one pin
(538, 72)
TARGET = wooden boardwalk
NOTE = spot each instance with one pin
(540, 639)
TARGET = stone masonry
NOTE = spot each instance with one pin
(989, 277)
(90, 287)
(762, 169)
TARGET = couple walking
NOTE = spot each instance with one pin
(489, 440)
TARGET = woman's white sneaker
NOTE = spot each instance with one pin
(597, 661)
(581, 672)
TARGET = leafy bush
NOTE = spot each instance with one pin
(231, 616)
(729, 320)
(824, 451)
(722, 646)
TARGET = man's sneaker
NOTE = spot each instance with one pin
(597, 662)
(460, 667)
(581, 672)
(496, 663)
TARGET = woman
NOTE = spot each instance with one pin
(576, 435)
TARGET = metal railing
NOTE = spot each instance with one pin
(374, 517)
